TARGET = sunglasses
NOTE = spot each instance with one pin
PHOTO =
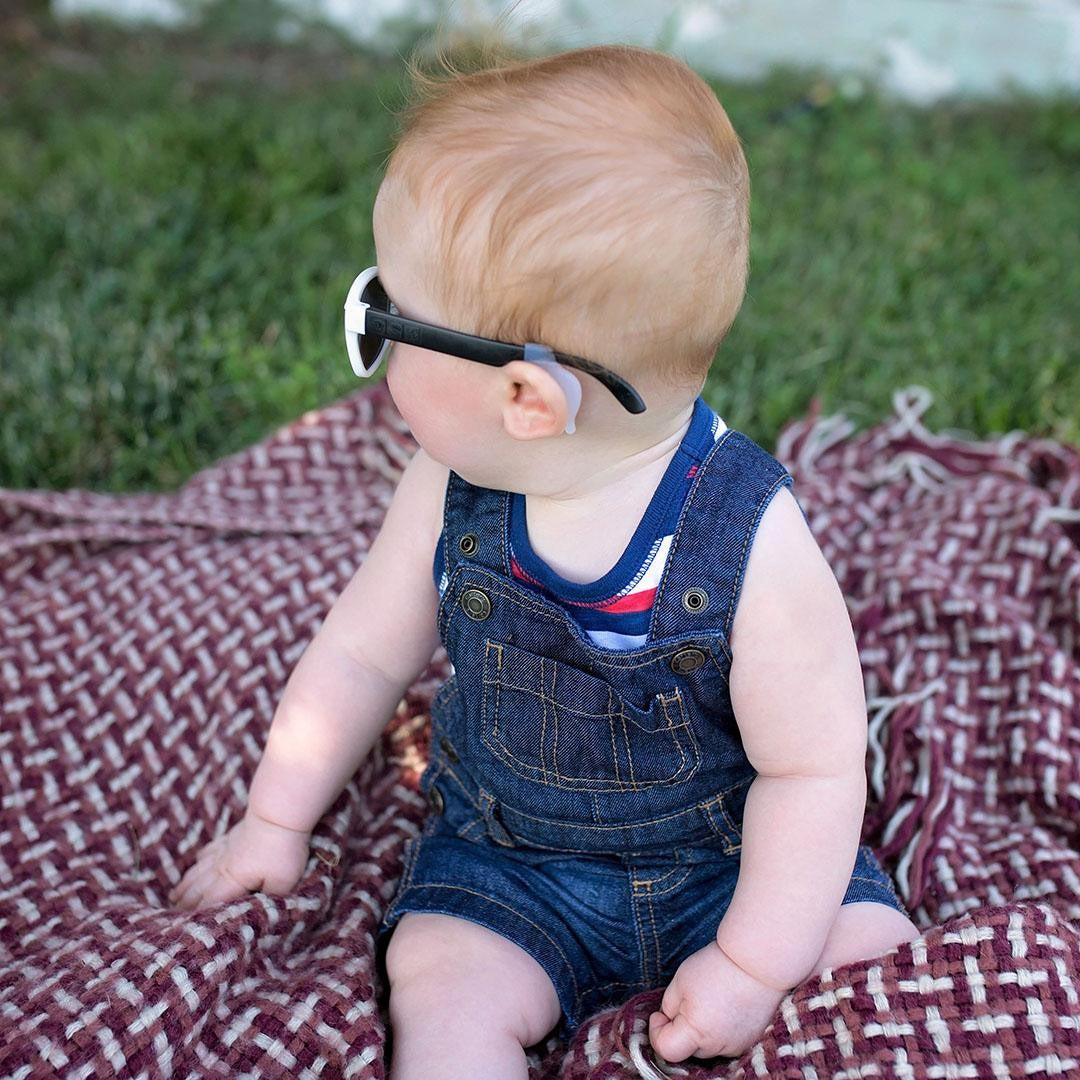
(372, 324)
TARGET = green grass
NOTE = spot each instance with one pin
(180, 218)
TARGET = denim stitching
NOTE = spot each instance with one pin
(678, 734)
(651, 967)
(518, 914)
(661, 591)
(603, 988)
(615, 659)
(467, 832)
(554, 720)
(448, 771)
(408, 869)
(885, 884)
(651, 883)
(686, 811)
(685, 771)
(504, 551)
(625, 735)
(736, 831)
(447, 502)
(673, 696)
(486, 682)
(664, 702)
(543, 728)
(639, 926)
(731, 847)
(614, 749)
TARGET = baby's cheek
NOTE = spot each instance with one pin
(404, 384)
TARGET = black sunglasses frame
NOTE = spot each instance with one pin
(393, 327)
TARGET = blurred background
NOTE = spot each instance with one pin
(186, 189)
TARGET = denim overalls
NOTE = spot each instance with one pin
(587, 803)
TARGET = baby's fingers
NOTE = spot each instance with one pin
(206, 884)
(673, 1039)
(189, 890)
(220, 889)
(186, 893)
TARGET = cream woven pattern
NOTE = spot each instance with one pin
(144, 641)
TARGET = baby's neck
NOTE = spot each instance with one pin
(580, 526)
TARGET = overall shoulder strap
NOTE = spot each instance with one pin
(475, 526)
(699, 590)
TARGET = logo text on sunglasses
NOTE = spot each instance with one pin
(393, 329)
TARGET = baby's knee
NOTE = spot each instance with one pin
(864, 930)
(439, 965)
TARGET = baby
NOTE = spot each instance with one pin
(648, 766)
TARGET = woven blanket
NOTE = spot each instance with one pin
(144, 641)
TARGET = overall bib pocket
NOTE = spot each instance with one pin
(554, 724)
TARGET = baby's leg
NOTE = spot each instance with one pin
(863, 930)
(463, 1001)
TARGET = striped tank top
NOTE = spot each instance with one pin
(614, 611)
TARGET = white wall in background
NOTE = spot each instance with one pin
(919, 49)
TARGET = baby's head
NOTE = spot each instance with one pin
(594, 201)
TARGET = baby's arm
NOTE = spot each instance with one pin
(797, 691)
(796, 687)
(379, 635)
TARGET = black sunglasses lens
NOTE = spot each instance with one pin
(371, 345)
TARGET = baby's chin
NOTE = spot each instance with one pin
(496, 467)
(482, 474)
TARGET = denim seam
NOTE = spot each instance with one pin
(695, 763)
(662, 699)
(554, 721)
(661, 590)
(652, 966)
(885, 883)
(611, 735)
(670, 887)
(601, 988)
(504, 552)
(721, 834)
(515, 912)
(466, 832)
(445, 694)
(405, 880)
(615, 659)
(684, 812)
(639, 926)
(735, 838)
(448, 771)
(679, 734)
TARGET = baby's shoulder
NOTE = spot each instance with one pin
(787, 580)
(783, 550)
(421, 492)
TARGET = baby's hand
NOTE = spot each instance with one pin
(711, 1007)
(253, 854)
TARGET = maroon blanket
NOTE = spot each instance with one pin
(145, 639)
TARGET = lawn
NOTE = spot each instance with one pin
(181, 215)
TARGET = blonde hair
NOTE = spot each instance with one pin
(595, 201)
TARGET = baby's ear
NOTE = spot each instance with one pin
(534, 404)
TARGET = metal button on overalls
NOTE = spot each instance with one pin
(476, 604)
(687, 660)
